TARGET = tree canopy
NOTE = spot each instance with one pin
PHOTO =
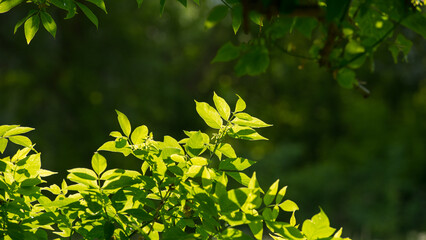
(342, 34)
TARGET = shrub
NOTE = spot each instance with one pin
(180, 192)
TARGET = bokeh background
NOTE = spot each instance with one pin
(363, 160)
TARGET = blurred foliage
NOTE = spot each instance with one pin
(362, 160)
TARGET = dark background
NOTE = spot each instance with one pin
(362, 160)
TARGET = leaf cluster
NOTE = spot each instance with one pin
(180, 192)
(342, 34)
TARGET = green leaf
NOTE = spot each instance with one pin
(90, 15)
(3, 144)
(139, 134)
(21, 140)
(221, 106)
(139, 3)
(201, 161)
(32, 165)
(46, 173)
(318, 226)
(31, 27)
(209, 115)
(216, 15)
(17, 130)
(245, 133)
(48, 23)
(281, 195)
(162, 3)
(237, 17)
(84, 173)
(5, 128)
(256, 228)
(124, 123)
(289, 206)
(270, 194)
(227, 53)
(346, 78)
(99, 163)
(254, 62)
(286, 230)
(354, 47)
(99, 3)
(234, 234)
(19, 24)
(6, 5)
(416, 22)
(183, 2)
(111, 147)
(244, 119)
(239, 177)
(227, 150)
(241, 105)
(256, 17)
(194, 171)
(235, 164)
(305, 26)
(196, 141)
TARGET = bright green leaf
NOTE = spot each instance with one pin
(221, 106)
(244, 119)
(199, 161)
(281, 195)
(17, 130)
(245, 133)
(99, 163)
(3, 144)
(31, 27)
(241, 105)
(270, 194)
(139, 134)
(6, 5)
(318, 226)
(235, 164)
(124, 123)
(48, 23)
(227, 150)
(209, 115)
(239, 177)
(289, 206)
(5, 128)
(21, 140)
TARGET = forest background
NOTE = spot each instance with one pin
(361, 159)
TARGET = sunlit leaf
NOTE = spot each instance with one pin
(31, 27)
(48, 23)
(209, 115)
(99, 163)
(6, 5)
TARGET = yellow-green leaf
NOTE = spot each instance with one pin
(99, 163)
(124, 123)
(209, 115)
(31, 27)
(6, 5)
(48, 23)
